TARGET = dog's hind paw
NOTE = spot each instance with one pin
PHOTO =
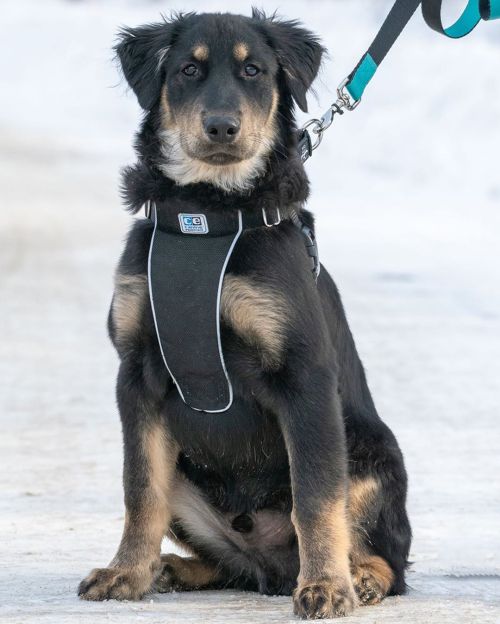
(372, 580)
(116, 583)
(181, 574)
(167, 580)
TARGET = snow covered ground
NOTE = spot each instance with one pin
(407, 196)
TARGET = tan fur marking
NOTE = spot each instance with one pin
(240, 51)
(200, 52)
(362, 493)
(325, 544)
(335, 532)
(324, 587)
(271, 119)
(161, 454)
(363, 508)
(128, 304)
(150, 523)
(166, 115)
(185, 573)
(257, 314)
(372, 575)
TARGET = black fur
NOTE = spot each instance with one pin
(296, 433)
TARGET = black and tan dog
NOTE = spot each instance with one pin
(299, 487)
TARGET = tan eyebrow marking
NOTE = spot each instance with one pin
(200, 52)
(240, 51)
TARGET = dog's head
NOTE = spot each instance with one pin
(220, 83)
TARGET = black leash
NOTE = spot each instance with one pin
(350, 91)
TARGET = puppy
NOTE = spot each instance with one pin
(298, 488)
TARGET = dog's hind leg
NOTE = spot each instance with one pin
(381, 532)
(150, 459)
(372, 575)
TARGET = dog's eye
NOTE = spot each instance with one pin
(251, 70)
(190, 70)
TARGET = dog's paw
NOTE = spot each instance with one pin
(368, 591)
(372, 580)
(116, 583)
(168, 580)
(324, 599)
(184, 574)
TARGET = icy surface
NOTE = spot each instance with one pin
(407, 197)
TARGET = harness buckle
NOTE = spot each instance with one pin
(267, 222)
(312, 249)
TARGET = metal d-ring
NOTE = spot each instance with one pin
(267, 223)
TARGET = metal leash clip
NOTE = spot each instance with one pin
(343, 95)
(306, 145)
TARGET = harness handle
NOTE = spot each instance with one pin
(350, 91)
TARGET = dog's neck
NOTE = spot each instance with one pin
(283, 183)
(284, 187)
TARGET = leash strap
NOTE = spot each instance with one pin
(350, 91)
(396, 21)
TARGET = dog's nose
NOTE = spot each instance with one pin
(222, 129)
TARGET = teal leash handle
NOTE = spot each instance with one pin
(351, 90)
(396, 22)
(470, 18)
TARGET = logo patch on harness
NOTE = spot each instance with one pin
(193, 223)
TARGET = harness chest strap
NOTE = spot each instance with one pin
(188, 257)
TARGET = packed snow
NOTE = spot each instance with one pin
(406, 191)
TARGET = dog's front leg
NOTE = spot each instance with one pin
(150, 459)
(312, 426)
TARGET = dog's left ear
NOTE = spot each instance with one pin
(141, 52)
(298, 51)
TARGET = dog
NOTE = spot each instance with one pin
(298, 488)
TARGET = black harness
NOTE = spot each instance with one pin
(187, 262)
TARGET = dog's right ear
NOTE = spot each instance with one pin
(141, 51)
